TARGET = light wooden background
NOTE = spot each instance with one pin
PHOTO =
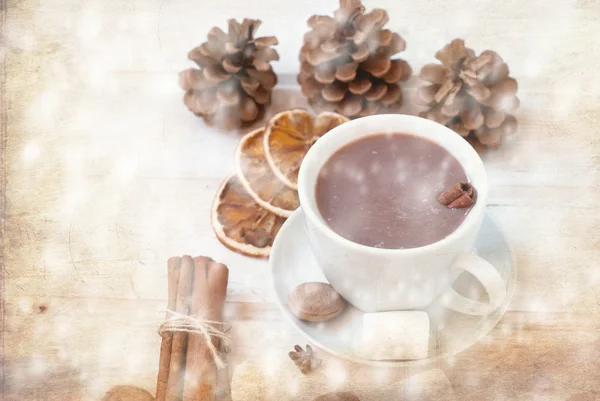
(106, 175)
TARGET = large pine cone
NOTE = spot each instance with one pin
(234, 82)
(345, 62)
(472, 95)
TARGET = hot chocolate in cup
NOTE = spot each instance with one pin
(379, 279)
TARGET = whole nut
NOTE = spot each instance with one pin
(338, 396)
(127, 393)
(315, 302)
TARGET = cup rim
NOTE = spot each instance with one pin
(314, 215)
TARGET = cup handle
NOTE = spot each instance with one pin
(487, 275)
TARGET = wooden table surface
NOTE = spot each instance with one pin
(106, 174)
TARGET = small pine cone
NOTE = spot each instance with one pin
(346, 63)
(473, 95)
(234, 82)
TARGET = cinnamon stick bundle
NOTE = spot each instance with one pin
(187, 371)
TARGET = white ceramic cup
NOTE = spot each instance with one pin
(375, 279)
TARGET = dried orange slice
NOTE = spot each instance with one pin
(288, 137)
(258, 179)
(240, 223)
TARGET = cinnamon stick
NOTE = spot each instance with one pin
(173, 268)
(223, 388)
(460, 196)
(209, 292)
(200, 302)
(218, 277)
(179, 345)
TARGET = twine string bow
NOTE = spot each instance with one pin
(177, 322)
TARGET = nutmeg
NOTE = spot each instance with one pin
(127, 393)
(315, 302)
(337, 396)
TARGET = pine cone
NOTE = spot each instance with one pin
(346, 65)
(234, 82)
(472, 95)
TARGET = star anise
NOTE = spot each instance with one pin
(305, 359)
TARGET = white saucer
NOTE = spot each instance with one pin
(292, 263)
